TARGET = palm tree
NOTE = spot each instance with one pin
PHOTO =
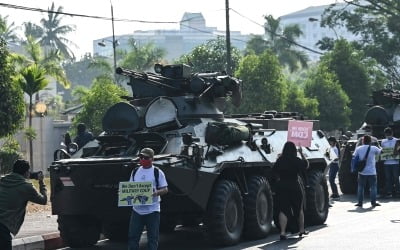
(32, 30)
(32, 79)
(7, 31)
(142, 58)
(54, 32)
(280, 41)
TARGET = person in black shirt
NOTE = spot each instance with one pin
(83, 136)
(290, 193)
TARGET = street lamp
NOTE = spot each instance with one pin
(312, 19)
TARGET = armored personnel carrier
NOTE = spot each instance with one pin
(383, 112)
(218, 167)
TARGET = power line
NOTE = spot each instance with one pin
(278, 35)
(12, 6)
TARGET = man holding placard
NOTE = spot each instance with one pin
(146, 213)
(390, 165)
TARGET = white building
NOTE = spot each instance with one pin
(312, 31)
(192, 32)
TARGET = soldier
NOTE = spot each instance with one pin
(83, 136)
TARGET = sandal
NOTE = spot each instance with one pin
(303, 233)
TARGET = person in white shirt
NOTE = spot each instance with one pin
(390, 166)
(147, 215)
(368, 174)
(334, 167)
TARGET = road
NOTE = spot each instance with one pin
(347, 227)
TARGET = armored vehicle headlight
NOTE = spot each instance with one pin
(72, 148)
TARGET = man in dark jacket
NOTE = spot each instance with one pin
(15, 192)
(83, 136)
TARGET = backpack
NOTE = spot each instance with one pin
(156, 175)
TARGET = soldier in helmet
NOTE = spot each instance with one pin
(83, 136)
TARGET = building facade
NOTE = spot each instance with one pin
(192, 32)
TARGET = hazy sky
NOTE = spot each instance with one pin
(88, 29)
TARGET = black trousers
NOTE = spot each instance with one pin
(5, 238)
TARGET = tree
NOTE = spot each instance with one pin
(211, 57)
(7, 31)
(297, 101)
(141, 58)
(263, 85)
(12, 108)
(351, 72)
(32, 79)
(377, 24)
(103, 94)
(32, 30)
(280, 41)
(333, 101)
(257, 45)
(53, 35)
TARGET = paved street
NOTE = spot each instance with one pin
(347, 228)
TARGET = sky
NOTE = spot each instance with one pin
(88, 29)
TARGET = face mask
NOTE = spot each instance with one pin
(145, 163)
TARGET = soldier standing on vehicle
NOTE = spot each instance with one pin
(391, 166)
(83, 136)
(147, 215)
(15, 192)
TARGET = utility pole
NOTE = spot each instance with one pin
(228, 40)
(114, 43)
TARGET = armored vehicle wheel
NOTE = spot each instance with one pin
(258, 208)
(347, 180)
(116, 231)
(79, 230)
(317, 199)
(224, 219)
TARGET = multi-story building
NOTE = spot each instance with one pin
(309, 20)
(192, 32)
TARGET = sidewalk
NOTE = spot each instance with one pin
(39, 231)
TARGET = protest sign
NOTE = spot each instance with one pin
(135, 193)
(387, 154)
(300, 133)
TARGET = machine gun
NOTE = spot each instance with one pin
(177, 80)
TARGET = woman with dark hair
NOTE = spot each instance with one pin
(290, 192)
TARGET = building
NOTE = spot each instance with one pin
(309, 21)
(192, 32)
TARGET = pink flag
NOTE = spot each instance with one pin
(300, 133)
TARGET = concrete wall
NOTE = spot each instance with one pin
(49, 136)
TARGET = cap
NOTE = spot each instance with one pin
(148, 152)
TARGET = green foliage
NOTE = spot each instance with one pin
(102, 95)
(347, 64)
(9, 153)
(30, 134)
(12, 108)
(211, 57)
(376, 22)
(279, 41)
(333, 101)
(297, 101)
(263, 84)
(53, 33)
(7, 31)
(142, 58)
(32, 79)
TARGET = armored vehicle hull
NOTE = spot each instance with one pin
(218, 168)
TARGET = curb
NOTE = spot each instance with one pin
(48, 241)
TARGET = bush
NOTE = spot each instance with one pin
(9, 153)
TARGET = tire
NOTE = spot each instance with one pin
(225, 214)
(79, 231)
(258, 208)
(317, 197)
(116, 231)
(347, 179)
